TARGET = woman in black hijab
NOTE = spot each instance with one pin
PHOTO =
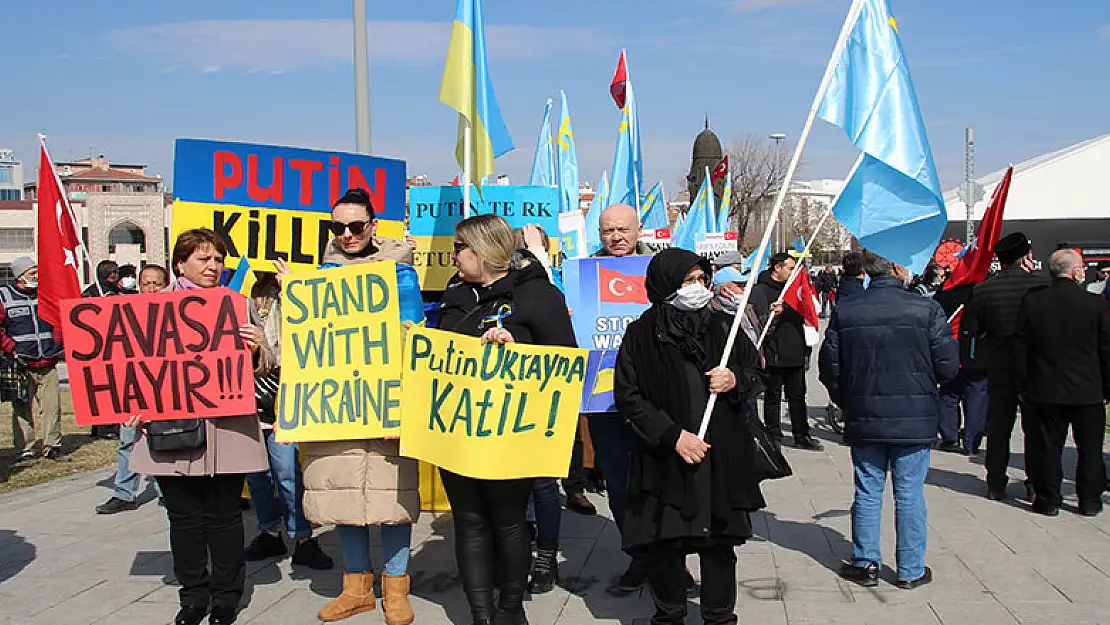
(686, 496)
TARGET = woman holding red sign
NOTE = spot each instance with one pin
(200, 465)
(502, 296)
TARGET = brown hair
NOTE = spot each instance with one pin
(519, 243)
(490, 237)
(188, 242)
(159, 268)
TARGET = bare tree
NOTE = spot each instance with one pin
(758, 170)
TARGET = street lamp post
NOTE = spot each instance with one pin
(780, 234)
(362, 80)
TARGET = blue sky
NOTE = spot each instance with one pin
(124, 78)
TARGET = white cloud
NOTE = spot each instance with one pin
(277, 46)
(747, 6)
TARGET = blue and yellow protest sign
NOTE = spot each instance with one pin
(268, 202)
(340, 354)
(434, 212)
(490, 411)
(605, 296)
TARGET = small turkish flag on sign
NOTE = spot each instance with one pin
(616, 288)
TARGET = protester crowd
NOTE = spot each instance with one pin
(897, 364)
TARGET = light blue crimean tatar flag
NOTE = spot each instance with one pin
(543, 165)
(893, 201)
(567, 156)
(593, 216)
(697, 219)
(655, 216)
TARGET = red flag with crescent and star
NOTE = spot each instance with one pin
(58, 243)
(975, 263)
(720, 171)
(616, 288)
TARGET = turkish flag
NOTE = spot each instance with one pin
(975, 263)
(720, 171)
(58, 243)
(619, 86)
(616, 288)
(801, 297)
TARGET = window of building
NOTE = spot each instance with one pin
(6, 175)
(6, 276)
(105, 188)
(17, 239)
(139, 188)
(9, 194)
(126, 233)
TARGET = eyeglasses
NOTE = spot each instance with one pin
(460, 246)
(356, 227)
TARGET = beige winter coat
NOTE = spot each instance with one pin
(361, 482)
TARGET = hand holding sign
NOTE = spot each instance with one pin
(499, 336)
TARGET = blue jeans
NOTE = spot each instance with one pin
(612, 440)
(127, 481)
(548, 512)
(354, 542)
(271, 506)
(973, 392)
(908, 465)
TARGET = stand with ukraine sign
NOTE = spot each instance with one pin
(605, 296)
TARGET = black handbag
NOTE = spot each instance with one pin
(769, 461)
(265, 395)
(175, 435)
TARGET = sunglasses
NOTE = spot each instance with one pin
(460, 246)
(356, 227)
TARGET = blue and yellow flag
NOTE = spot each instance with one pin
(567, 156)
(655, 209)
(543, 165)
(893, 201)
(697, 218)
(242, 280)
(593, 216)
(467, 88)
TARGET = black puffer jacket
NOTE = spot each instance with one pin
(885, 352)
(785, 345)
(530, 308)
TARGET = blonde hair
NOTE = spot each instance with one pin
(490, 237)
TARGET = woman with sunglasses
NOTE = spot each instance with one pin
(686, 495)
(358, 484)
(502, 295)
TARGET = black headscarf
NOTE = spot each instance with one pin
(665, 274)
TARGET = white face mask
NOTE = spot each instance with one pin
(128, 283)
(691, 297)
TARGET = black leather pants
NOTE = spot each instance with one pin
(491, 541)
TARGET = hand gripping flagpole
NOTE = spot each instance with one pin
(798, 267)
(849, 21)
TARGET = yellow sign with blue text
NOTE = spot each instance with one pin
(490, 411)
(341, 355)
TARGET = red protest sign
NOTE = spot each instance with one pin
(173, 355)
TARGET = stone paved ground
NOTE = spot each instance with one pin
(994, 562)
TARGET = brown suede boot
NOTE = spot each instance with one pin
(357, 597)
(395, 600)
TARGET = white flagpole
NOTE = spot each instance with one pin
(798, 267)
(849, 21)
(466, 167)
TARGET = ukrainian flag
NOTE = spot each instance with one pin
(467, 88)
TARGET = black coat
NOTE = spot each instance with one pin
(885, 352)
(661, 392)
(971, 360)
(993, 311)
(530, 308)
(785, 344)
(1062, 346)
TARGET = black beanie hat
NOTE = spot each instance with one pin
(1012, 247)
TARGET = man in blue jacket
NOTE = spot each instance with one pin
(886, 350)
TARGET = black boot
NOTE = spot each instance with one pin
(510, 606)
(481, 606)
(545, 571)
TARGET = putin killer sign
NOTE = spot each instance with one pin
(171, 355)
